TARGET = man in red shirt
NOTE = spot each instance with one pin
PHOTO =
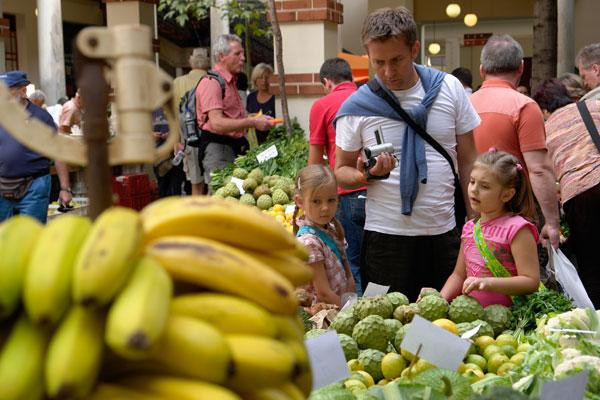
(513, 122)
(223, 119)
(336, 76)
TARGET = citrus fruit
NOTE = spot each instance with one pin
(495, 361)
(504, 368)
(392, 365)
(477, 360)
(484, 341)
(446, 324)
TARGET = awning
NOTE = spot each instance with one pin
(359, 65)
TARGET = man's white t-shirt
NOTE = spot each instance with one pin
(451, 114)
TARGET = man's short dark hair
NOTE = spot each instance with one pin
(336, 70)
(388, 23)
(464, 75)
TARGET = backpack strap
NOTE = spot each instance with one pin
(219, 78)
(325, 238)
(589, 123)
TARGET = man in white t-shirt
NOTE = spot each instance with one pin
(410, 237)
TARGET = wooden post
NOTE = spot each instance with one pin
(94, 98)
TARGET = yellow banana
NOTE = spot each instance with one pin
(268, 394)
(47, 287)
(22, 362)
(110, 391)
(260, 362)
(106, 258)
(304, 382)
(227, 313)
(299, 251)
(295, 270)
(292, 391)
(213, 218)
(18, 235)
(74, 354)
(223, 268)
(139, 314)
(178, 388)
(289, 327)
(194, 348)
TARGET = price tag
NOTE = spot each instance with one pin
(429, 339)
(471, 332)
(327, 360)
(267, 154)
(239, 183)
(572, 388)
(374, 289)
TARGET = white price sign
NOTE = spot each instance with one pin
(267, 154)
(427, 339)
(572, 388)
(239, 183)
(373, 289)
(327, 360)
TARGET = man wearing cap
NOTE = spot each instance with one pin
(24, 174)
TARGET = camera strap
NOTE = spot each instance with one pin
(459, 205)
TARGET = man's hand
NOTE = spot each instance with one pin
(385, 162)
(475, 283)
(65, 197)
(262, 122)
(550, 233)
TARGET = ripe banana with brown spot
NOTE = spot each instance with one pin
(47, 288)
(75, 354)
(229, 314)
(139, 314)
(260, 362)
(213, 218)
(107, 256)
(194, 348)
(223, 268)
(295, 270)
(18, 236)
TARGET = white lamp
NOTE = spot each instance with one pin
(434, 48)
(453, 10)
(470, 20)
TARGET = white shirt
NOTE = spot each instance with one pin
(451, 114)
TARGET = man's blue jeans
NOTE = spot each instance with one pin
(34, 203)
(351, 214)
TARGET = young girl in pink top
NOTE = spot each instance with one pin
(322, 234)
(498, 255)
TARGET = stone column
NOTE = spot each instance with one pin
(309, 30)
(565, 57)
(51, 50)
(219, 23)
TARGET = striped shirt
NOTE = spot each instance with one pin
(576, 158)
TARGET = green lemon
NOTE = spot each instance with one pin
(365, 378)
(353, 384)
(383, 382)
(407, 355)
(524, 348)
(477, 359)
(472, 366)
(355, 365)
(491, 350)
(392, 365)
(506, 339)
(504, 368)
(473, 375)
(518, 358)
(508, 350)
(495, 361)
(482, 342)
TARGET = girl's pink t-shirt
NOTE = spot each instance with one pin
(498, 234)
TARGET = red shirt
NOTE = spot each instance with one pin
(510, 121)
(321, 129)
(209, 97)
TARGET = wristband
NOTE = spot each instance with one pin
(68, 190)
(369, 177)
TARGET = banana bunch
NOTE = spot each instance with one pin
(192, 298)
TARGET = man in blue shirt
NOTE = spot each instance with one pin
(24, 174)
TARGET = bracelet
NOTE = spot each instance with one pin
(369, 177)
(68, 190)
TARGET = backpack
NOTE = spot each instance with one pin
(188, 119)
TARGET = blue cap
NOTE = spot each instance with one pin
(14, 79)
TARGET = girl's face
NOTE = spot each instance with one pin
(486, 194)
(319, 206)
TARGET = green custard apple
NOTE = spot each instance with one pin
(349, 346)
(397, 299)
(465, 309)
(498, 316)
(371, 333)
(376, 305)
(371, 361)
(344, 323)
(433, 307)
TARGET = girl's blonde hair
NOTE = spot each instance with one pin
(308, 180)
(511, 174)
(260, 70)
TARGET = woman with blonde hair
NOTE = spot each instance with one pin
(261, 98)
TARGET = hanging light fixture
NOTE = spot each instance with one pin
(470, 20)
(434, 48)
(453, 10)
